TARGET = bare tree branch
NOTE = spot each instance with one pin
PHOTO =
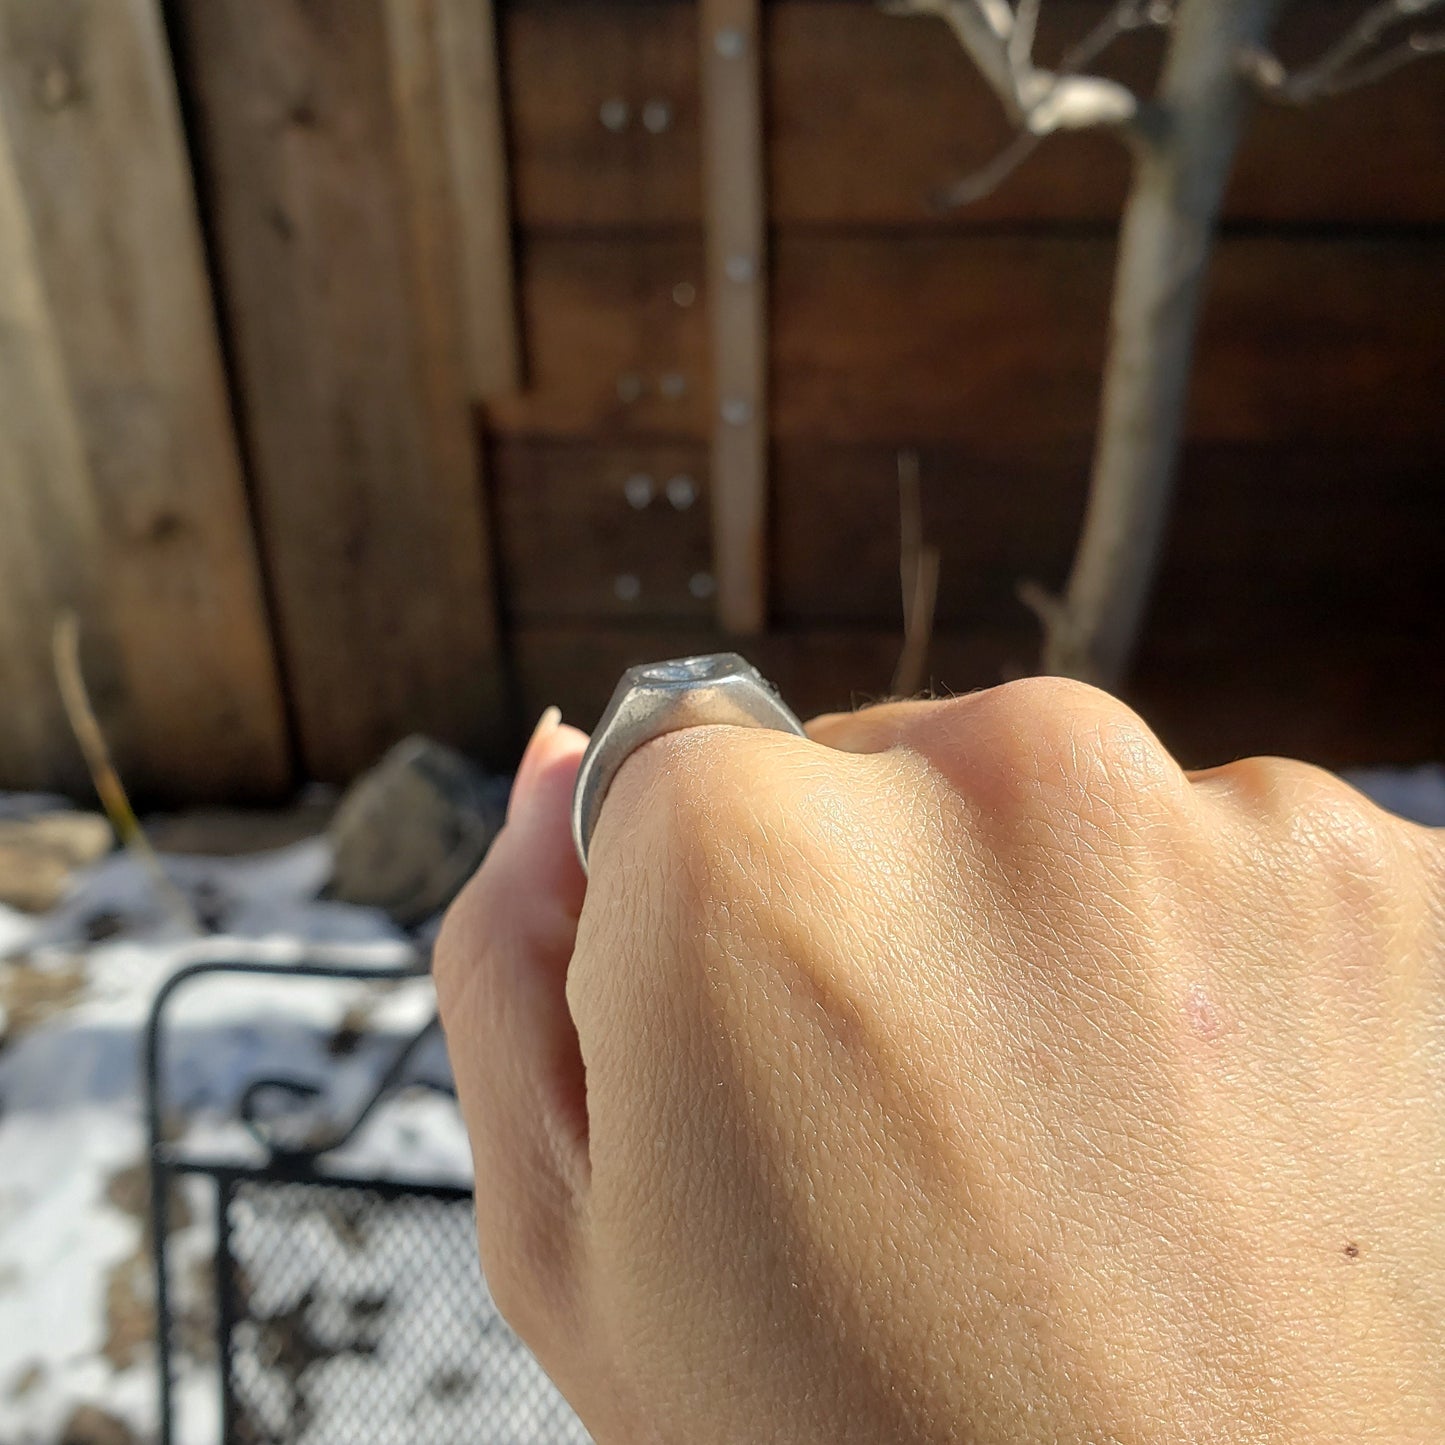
(1218, 52)
(1061, 104)
(999, 39)
(1021, 37)
(1126, 16)
(1165, 241)
(987, 179)
(1357, 58)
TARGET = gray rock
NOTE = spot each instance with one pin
(409, 833)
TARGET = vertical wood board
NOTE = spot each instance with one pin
(330, 198)
(734, 208)
(466, 47)
(120, 482)
(49, 538)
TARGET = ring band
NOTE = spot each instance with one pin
(665, 697)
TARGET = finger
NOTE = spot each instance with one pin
(501, 971)
(874, 729)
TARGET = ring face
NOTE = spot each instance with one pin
(665, 697)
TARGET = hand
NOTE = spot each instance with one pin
(968, 1073)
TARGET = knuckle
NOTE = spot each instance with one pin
(1064, 740)
(1316, 812)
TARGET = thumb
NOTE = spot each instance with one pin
(501, 971)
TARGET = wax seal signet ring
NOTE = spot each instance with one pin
(665, 697)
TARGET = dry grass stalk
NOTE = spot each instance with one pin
(918, 566)
(108, 786)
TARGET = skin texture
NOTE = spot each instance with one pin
(967, 1073)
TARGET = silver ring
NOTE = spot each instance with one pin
(665, 697)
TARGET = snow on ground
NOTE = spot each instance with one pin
(1417, 793)
(77, 1359)
(76, 1353)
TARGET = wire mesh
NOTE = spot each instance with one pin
(361, 1318)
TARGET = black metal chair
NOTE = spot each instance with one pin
(347, 1308)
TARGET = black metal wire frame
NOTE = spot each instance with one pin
(285, 1163)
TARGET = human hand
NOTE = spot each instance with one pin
(975, 1076)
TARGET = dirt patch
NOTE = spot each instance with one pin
(90, 1425)
(130, 1311)
(351, 1030)
(129, 1190)
(29, 1379)
(195, 1312)
(30, 994)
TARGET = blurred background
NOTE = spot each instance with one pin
(360, 379)
(376, 373)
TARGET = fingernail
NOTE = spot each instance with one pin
(525, 781)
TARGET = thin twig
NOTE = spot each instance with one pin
(1368, 29)
(1021, 35)
(918, 566)
(65, 646)
(1348, 64)
(910, 529)
(1415, 47)
(987, 179)
(1122, 18)
(999, 41)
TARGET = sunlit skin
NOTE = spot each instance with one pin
(966, 1073)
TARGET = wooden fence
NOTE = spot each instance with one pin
(369, 366)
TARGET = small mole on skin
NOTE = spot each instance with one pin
(1352, 1250)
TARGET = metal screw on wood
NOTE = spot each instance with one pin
(629, 386)
(55, 86)
(638, 489)
(681, 492)
(740, 269)
(627, 586)
(684, 293)
(729, 42)
(673, 385)
(701, 585)
(656, 116)
(615, 113)
(737, 411)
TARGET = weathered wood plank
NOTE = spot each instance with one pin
(466, 41)
(578, 79)
(988, 340)
(604, 533)
(340, 289)
(1334, 699)
(611, 352)
(1293, 535)
(737, 262)
(869, 115)
(50, 543)
(120, 483)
